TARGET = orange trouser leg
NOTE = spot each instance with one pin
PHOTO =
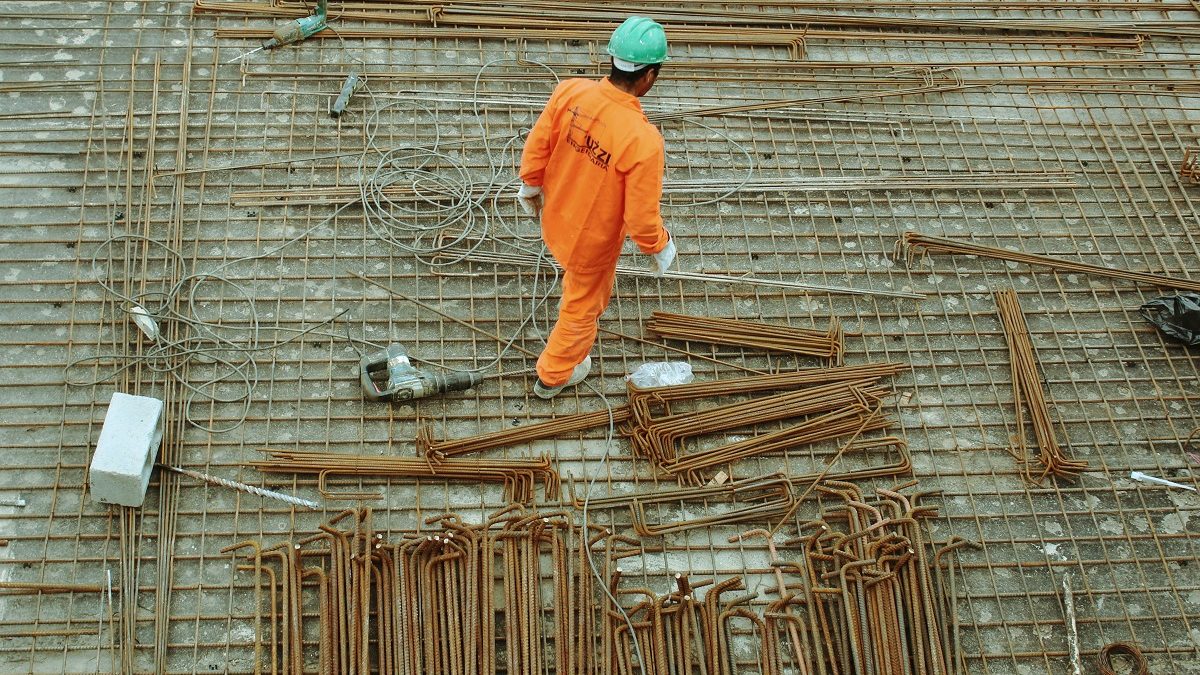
(584, 297)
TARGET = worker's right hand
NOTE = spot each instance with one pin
(530, 199)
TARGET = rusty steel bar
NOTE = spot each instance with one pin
(1028, 393)
(826, 344)
(913, 245)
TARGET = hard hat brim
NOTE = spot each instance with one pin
(627, 66)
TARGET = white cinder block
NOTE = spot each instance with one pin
(126, 450)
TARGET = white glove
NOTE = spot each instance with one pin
(530, 199)
(664, 258)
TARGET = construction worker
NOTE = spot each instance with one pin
(592, 168)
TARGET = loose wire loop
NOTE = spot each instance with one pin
(1104, 664)
(464, 211)
(467, 215)
(400, 189)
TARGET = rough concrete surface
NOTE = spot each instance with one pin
(139, 166)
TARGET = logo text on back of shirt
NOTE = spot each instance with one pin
(582, 141)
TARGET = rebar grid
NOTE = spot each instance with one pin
(1114, 120)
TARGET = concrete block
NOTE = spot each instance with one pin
(124, 458)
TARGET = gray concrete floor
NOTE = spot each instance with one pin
(94, 145)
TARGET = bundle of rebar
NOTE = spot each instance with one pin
(846, 422)
(873, 596)
(560, 426)
(519, 476)
(681, 632)
(429, 603)
(1189, 166)
(663, 439)
(1028, 394)
(763, 499)
(862, 591)
(643, 400)
(837, 402)
(759, 500)
(913, 245)
(734, 332)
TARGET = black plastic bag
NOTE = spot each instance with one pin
(1176, 315)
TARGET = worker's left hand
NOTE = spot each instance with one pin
(664, 258)
(530, 199)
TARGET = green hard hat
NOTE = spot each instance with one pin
(639, 40)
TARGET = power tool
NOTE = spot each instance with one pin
(389, 376)
(351, 85)
(294, 31)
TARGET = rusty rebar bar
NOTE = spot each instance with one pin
(827, 344)
(1029, 394)
(913, 245)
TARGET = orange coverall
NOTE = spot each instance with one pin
(599, 162)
